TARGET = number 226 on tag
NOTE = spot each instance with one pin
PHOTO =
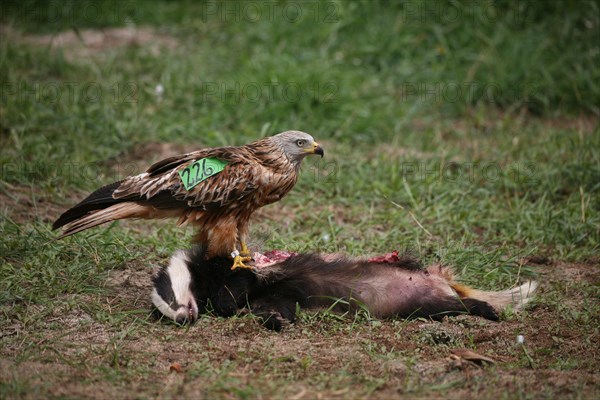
(200, 170)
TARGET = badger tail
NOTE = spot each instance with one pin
(516, 297)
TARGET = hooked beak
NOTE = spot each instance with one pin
(317, 149)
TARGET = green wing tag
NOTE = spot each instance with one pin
(200, 170)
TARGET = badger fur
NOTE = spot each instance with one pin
(190, 285)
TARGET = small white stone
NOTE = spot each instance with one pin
(520, 339)
(159, 90)
(326, 237)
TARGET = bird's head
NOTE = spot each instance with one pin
(296, 145)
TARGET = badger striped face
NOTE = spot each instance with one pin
(173, 291)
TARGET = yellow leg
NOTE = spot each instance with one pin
(245, 251)
(238, 260)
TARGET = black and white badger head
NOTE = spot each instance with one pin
(173, 293)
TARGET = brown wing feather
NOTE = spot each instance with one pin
(235, 183)
(228, 153)
(239, 178)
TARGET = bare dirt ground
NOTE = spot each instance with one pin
(121, 352)
(81, 44)
(304, 351)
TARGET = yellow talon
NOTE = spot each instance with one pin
(238, 262)
(240, 257)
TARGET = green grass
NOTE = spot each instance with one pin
(486, 178)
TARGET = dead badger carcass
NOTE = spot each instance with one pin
(386, 287)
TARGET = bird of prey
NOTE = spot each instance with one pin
(215, 189)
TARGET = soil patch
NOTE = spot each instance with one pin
(78, 45)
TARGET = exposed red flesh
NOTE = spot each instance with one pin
(274, 256)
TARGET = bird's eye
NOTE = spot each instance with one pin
(300, 143)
